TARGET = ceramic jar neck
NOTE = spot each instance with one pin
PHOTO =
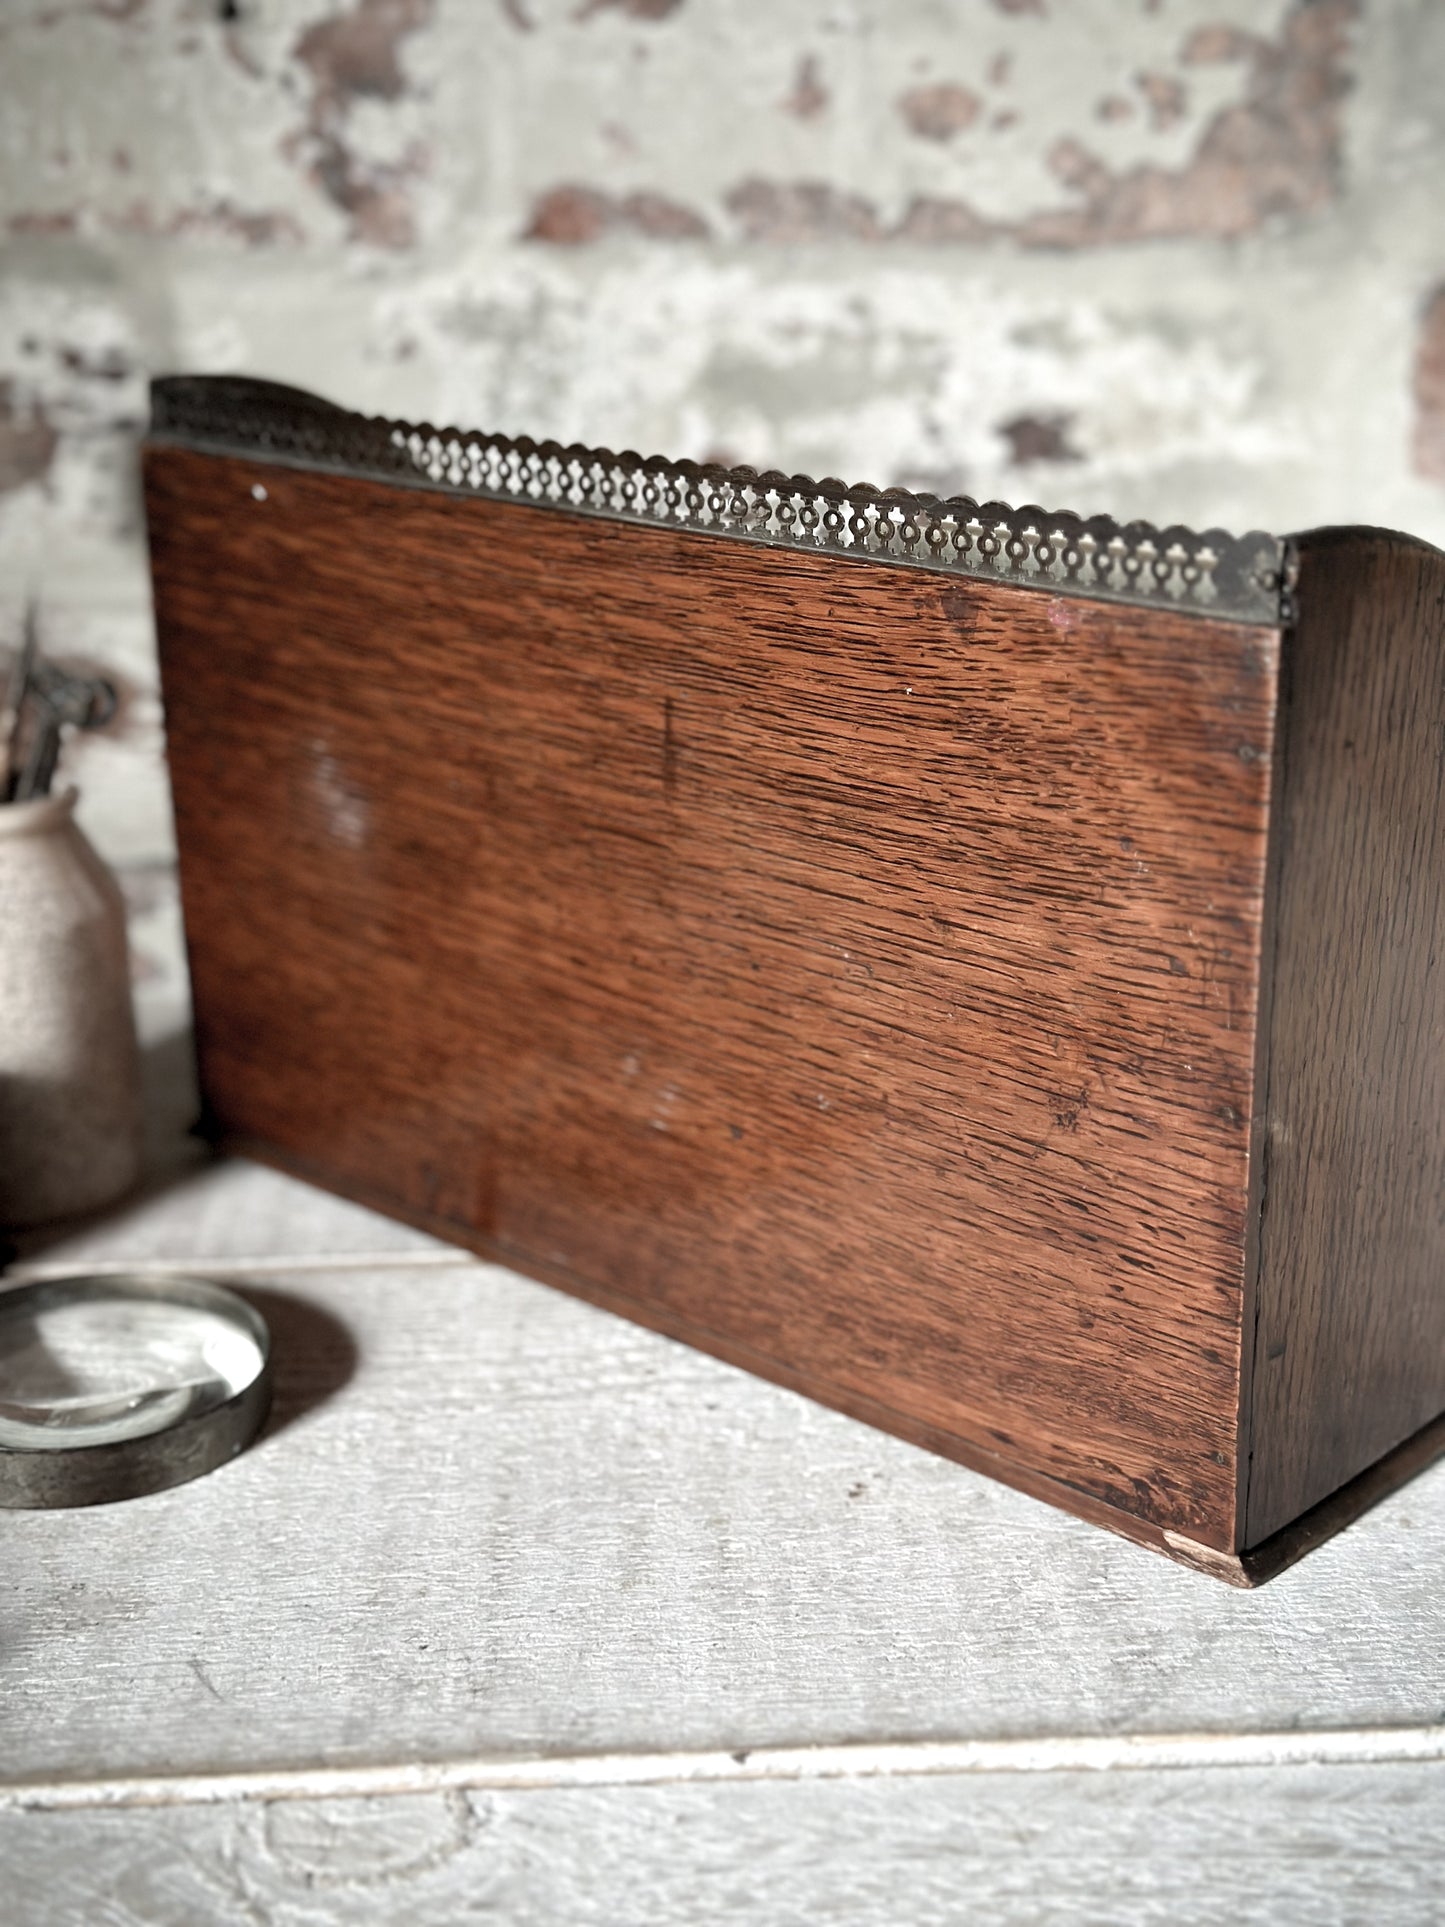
(40, 817)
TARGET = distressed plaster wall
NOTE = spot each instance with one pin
(1174, 258)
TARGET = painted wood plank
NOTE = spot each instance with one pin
(490, 1519)
(1314, 1846)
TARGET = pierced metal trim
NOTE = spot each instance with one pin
(1240, 577)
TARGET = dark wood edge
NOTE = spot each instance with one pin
(1347, 534)
(1247, 1569)
(1261, 1563)
(1349, 542)
(1258, 1192)
(1272, 1555)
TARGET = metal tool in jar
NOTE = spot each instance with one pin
(42, 702)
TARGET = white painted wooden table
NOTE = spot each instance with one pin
(519, 1613)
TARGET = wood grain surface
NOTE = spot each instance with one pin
(850, 970)
(1350, 1352)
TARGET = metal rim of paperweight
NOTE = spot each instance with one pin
(128, 1439)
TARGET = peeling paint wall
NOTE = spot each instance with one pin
(1182, 259)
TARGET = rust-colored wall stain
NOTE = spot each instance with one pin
(938, 112)
(849, 969)
(809, 95)
(573, 215)
(28, 441)
(648, 10)
(1275, 152)
(1039, 438)
(355, 56)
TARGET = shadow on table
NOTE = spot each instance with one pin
(312, 1353)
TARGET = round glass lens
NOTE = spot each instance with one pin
(96, 1368)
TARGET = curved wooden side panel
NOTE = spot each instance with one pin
(1350, 1349)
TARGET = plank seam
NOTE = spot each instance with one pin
(1129, 1752)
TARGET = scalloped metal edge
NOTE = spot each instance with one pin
(1241, 578)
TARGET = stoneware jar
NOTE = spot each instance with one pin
(70, 1115)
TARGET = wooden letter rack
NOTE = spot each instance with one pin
(980, 967)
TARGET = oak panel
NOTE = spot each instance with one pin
(1350, 1351)
(854, 970)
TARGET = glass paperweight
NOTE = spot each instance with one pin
(112, 1386)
